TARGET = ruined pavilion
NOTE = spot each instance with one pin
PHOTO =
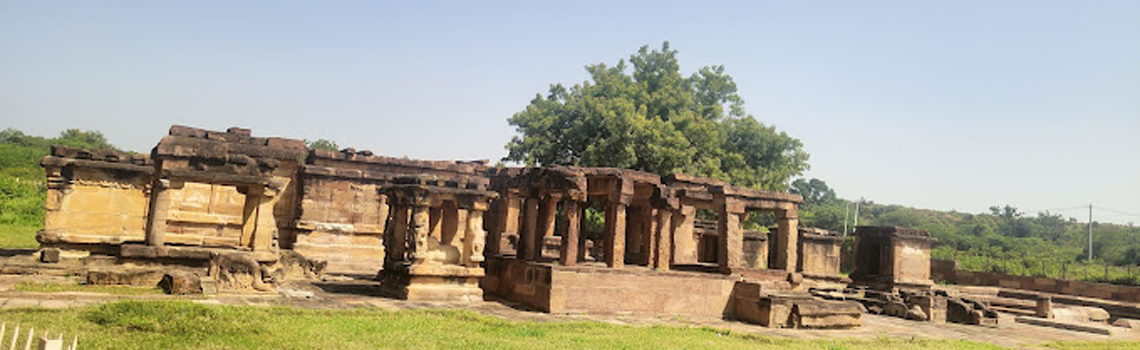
(255, 210)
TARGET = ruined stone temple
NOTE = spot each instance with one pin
(212, 211)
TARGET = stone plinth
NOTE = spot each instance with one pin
(887, 257)
(432, 283)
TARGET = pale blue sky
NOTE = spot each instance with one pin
(945, 105)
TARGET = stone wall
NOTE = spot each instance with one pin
(342, 214)
(95, 197)
(595, 290)
(943, 270)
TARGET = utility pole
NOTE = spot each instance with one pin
(846, 216)
(1090, 233)
(857, 211)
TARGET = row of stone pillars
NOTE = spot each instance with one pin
(534, 218)
(411, 237)
(538, 215)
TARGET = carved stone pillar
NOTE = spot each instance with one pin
(615, 234)
(787, 242)
(396, 234)
(475, 239)
(421, 230)
(570, 237)
(159, 211)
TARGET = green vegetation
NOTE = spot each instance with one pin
(107, 289)
(22, 180)
(1003, 240)
(323, 144)
(655, 119)
(187, 325)
(19, 236)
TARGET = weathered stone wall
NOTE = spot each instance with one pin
(595, 290)
(342, 214)
(945, 271)
(820, 252)
(203, 214)
(95, 197)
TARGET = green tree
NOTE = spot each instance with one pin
(650, 117)
(814, 191)
(83, 139)
(323, 144)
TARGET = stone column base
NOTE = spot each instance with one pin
(438, 283)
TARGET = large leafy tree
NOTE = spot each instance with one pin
(653, 118)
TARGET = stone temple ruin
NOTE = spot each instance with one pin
(209, 211)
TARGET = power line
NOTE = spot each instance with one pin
(1117, 211)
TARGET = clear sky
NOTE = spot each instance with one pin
(933, 104)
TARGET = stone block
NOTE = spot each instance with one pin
(49, 255)
(133, 277)
(179, 283)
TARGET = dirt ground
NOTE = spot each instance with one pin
(339, 293)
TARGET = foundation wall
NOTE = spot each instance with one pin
(597, 290)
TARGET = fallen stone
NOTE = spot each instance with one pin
(209, 285)
(49, 255)
(1085, 327)
(179, 283)
(1127, 323)
(134, 277)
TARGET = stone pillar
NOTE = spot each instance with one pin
(530, 225)
(475, 239)
(730, 237)
(615, 234)
(684, 247)
(504, 222)
(648, 235)
(662, 257)
(787, 242)
(570, 237)
(396, 234)
(547, 213)
(266, 230)
(1044, 307)
(582, 246)
(421, 229)
(159, 211)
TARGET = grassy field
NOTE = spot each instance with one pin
(19, 236)
(185, 325)
(108, 289)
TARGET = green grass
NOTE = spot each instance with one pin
(16, 236)
(186, 325)
(1094, 345)
(56, 288)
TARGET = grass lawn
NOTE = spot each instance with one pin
(19, 236)
(186, 325)
(108, 289)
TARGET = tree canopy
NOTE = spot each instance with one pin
(653, 118)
